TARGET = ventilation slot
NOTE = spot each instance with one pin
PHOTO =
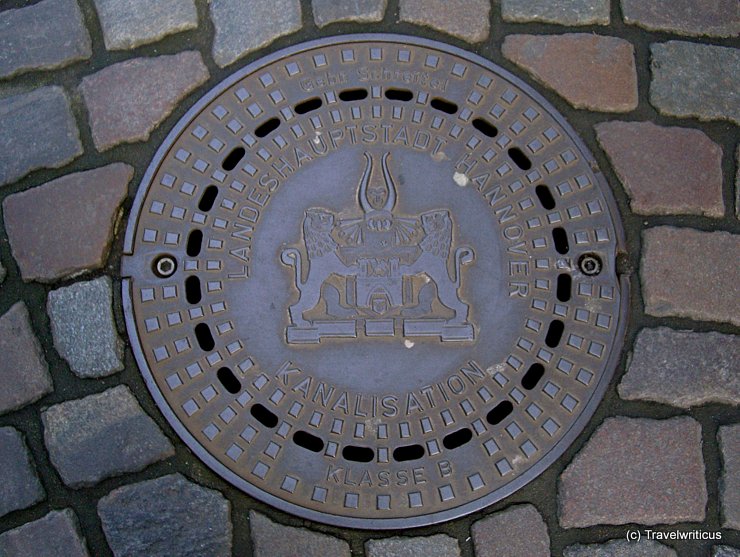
(533, 376)
(195, 241)
(561, 240)
(499, 413)
(484, 127)
(399, 95)
(554, 333)
(233, 158)
(263, 415)
(208, 198)
(545, 197)
(349, 95)
(192, 290)
(308, 105)
(358, 454)
(229, 380)
(408, 452)
(444, 105)
(204, 337)
(519, 158)
(457, 438)
(269, 126)
(308, 441)
(564, 286)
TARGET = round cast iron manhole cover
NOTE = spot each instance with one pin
(371, 281)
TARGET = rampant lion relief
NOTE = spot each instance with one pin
(377, 274)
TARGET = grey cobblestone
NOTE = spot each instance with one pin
(270, 539)
(54, 27)
(55, 535)
(38, 131)
(665, 170)
(167, 516)
(126, 101)
(243, 27)
(359, 11)
(518, 531)
(636, 470)
(20, 486)
(688, 273)
(716, 18)
(465, 19)
(620, 548)
(24, 373)
(562, 12)
(592, 72)
(438, 545)
(3, 272)
(83, 328)
(683, 368)
(100, 436)
(131, 23)
(65, 227)
(729, 441)
(725, 551)
(698, 80)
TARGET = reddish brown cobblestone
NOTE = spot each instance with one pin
(65, 226)
(518, 531)
(636, 470)
(689, 273)
(716, 18)
(665, 170)
(620, 548)
(562, 12)
(729, 440)
(56, 30)
(270, 539)
(590, 71)
(126, 101)
(464, 19)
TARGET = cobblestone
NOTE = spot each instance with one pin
(56, 534)
(689, 273)
(620, 548)
(109, 429)
(126, 101)
(590, 71)
(438, 545)
(683, 368)
(562, 12)
(131, 23)
(3, 272)
(270, 539)
(20, 487)
(83, 328)
(636, 470)
(714, 18)
(359, 11)
(725, 551)
(665, 170)
(65, 227)
(729, 440)
(56, 30)
(167, 516)
(38, 131)
(465, 19)
(24, 373)
(518, 531)
(243, 27)
(695, 80)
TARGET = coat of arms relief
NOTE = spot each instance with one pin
(378, 273)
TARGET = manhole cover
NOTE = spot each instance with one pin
(371, 281)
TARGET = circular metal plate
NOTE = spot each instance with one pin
(371, 280)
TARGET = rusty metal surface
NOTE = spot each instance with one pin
(371, 281)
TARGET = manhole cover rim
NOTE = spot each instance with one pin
(577, 427)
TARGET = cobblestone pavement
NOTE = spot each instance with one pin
(89, 88)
